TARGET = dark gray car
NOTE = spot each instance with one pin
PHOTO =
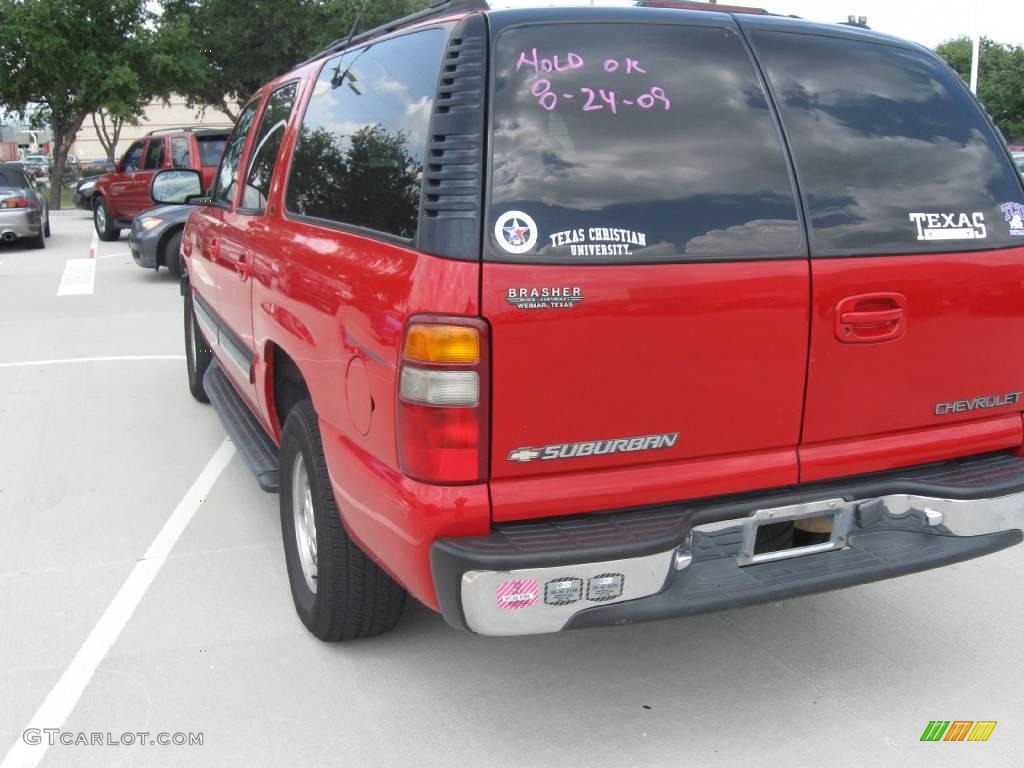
(23, 211)
(155, 239)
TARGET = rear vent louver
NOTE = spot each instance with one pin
(452, 198)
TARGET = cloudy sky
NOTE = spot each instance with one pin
(924, 22)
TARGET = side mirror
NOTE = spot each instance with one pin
(174, 186)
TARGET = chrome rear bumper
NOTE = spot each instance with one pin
(713, 564)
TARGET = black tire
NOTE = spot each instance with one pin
(172, 254)
(46, 223)
(38, 241)
(354, 597)
(197, 351)
(102, 221)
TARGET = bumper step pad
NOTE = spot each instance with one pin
(248, 435)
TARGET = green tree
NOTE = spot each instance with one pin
(62, 60)
(1000, 80)
(249, 43)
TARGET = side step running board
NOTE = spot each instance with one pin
(245, 431)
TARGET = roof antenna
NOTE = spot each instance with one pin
(355, 26)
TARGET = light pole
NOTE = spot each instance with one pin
(975, 57)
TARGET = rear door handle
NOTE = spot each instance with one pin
(869, 318)
(244, 266)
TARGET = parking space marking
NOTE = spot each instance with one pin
(111, 359)
(94, 244)
(113, 255)
(79, 278)
(62, 699)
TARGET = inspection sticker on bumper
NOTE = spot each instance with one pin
(518, 593)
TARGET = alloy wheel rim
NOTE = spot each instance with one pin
(101, 217)
(305, 522)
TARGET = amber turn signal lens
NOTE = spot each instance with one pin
(442, 344)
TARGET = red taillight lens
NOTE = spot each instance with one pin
(14, 202)
(443, 408)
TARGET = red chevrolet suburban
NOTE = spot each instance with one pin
(124, 192)
(565, 317)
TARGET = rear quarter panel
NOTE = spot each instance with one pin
(337, 304)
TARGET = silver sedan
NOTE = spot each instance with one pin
(23, 211)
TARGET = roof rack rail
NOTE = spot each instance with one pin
(189, 128)
(434, 9)
(691, 5)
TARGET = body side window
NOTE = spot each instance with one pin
(266, 145)
(132, 159)
(224, 184)
(154, 154)
(358, 158)
(181, 152)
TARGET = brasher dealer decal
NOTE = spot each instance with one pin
(555, 297)
(599, 241)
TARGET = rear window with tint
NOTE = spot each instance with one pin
(12, 179)
(628, 143)
(891, 152)
(210, 149)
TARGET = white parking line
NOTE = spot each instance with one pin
(113, 255)
(79, 278)
(65, 695)
(112, 359)
(94, 244)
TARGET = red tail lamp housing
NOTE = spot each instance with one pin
(443, 392)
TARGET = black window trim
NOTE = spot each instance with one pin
(339, 226)
(297, 81)
(802, 251)
(815, 251)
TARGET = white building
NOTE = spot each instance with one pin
(158, 115)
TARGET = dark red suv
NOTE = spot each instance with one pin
(566, 317)
(124, 192)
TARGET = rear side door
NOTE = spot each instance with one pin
(138, 198)
(121, 180)
(227, 301)
(645, 273)
(917, 265)
(245, 231)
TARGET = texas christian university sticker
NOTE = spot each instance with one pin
(515, 232)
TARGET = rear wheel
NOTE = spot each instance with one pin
(46, 222)
(103, 222)
(338, 591)
(172, 255)
(37, 241)
(197, 351)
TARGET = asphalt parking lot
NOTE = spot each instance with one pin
(143, 589)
